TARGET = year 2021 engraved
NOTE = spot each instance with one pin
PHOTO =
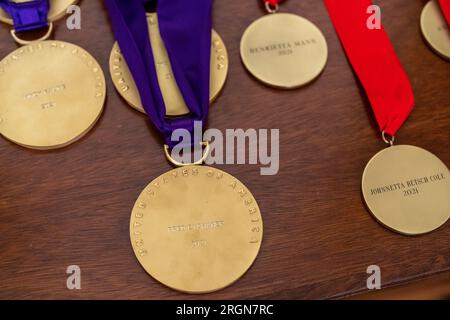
(409, 187)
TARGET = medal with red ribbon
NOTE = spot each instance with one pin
(435, 26)
(406, 188)
(283, 50)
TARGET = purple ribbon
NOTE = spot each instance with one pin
(30, 15)
(185, 28)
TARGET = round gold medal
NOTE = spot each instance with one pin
(284, 50)
(58, 9)
(175, 104)
(52, 94)
(196, 229)
(435, 29)
(407, 189)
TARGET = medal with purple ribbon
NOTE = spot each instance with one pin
(195, 228)
(52, 92)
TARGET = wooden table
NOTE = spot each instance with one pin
(72, 206)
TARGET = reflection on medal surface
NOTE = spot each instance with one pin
(52, 94)
(57, 10)
(175, 104)
(196, 229)
(284, 50)
(435, 29)
(407, 189)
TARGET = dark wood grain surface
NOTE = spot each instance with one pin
(72, 206)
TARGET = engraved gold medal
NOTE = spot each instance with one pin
(125, 85)
(284, 50)
(52, 94)
(203, 241)
(407, 189)
(435, 29)
(195, 229)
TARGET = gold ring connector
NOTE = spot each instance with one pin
(180, 164)
(25, 42)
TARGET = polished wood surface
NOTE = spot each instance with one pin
(72, 206)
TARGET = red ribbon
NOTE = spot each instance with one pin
(273, 3)
(445, 5)
(375, 62)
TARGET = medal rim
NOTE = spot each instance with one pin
(78, 136)
(227, 68)
(147, 271)
(4, 17)
(277, 86)
(427, 9)
(372, 212)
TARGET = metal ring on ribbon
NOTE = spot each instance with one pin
(25, 42)
(272, 8)
(180, 164)
(388, 139)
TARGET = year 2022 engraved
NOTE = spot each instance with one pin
(199, 243)
(48, 105)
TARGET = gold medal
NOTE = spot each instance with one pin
(435, 29)
(284, 50)
(58, 9)
(124, 83)
(196, 229)
(407, 189)
(52, 94)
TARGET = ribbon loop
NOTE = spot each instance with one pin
(272, 6)
(273, 3)
(27, 16)
(186, 32)
(375, 62)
